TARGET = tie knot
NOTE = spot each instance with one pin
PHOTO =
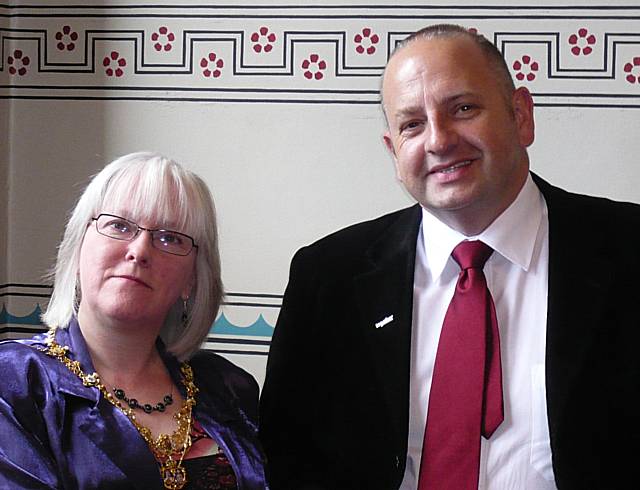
(471, 255)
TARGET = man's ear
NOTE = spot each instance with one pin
(523, 113)
(389, 144)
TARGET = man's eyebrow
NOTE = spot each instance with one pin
(408, 111)
(418, 109)
(461, 95)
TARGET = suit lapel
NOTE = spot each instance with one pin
(579, 278)
(385, 297)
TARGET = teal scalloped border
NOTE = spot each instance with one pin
(32, 318)
(222, 326)
(259, 328)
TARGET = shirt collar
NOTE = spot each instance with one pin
(512, 234)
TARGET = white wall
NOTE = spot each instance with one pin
(288, 159)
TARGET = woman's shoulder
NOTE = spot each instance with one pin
(15, 354)
(24, 366)
(208, 365)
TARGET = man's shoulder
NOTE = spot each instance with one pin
(572, 202)
(610, 225)
(361, 235)
(609, 208)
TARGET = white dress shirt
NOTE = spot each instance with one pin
(518, 454)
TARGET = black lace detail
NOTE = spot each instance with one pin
(210, 473)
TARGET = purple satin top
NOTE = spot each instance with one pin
(56, 433)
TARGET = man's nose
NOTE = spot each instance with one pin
(441, 137)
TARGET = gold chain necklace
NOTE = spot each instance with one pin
(165, 446)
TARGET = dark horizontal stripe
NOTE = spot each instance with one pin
(225, 303)
(320, 7)
(331, 16)
(284, 101)
(241, 352)
(20, 285)
(187, 99)
(260, 305)
(22, 330)
(123, 88)
(319, 91)
(29, 295)
(589, 106)
(48, 286)
(587, 95)
(219, 340)
(256, 295)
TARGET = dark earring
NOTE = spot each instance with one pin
(185, 314)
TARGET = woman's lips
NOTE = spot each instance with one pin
(134, 279)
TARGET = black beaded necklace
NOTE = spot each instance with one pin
(147, 407)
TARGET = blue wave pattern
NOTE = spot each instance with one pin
(259, 328)
(222, 326)
(32, 318)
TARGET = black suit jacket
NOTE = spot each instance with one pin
(335, 403)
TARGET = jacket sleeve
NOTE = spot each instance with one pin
(286, 404)
(26, 461)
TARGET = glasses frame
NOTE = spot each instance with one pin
(139, 228)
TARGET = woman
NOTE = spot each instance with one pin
(116, 394)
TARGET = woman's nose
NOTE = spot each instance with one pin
(139, 249)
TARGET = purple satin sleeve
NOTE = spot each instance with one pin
(26, 457)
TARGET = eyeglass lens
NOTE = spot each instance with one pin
(172, 242)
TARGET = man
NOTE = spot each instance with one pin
(347, 392)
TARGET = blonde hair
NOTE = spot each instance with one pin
(149, 187)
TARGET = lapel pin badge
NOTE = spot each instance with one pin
(386, 320)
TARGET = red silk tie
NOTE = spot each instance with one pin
(466, 391)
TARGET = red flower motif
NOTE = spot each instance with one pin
(163, 39)
(366, 41)
(262, 40)
(473, 30)
(525, 68)
(314, 67)
(212, 65)
(117, 62)
(633, 70)
(582, 42)
(66, 39)
(18, 63)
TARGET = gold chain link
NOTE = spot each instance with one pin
(164, 447)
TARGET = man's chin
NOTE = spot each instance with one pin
(447, 204)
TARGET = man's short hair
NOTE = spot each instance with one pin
(445, 31)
